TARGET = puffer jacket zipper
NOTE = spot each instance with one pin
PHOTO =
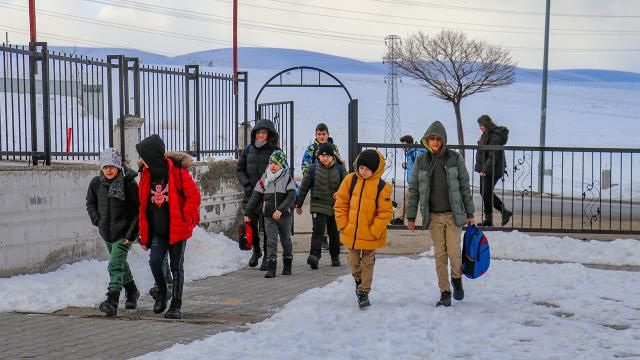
(355, 232)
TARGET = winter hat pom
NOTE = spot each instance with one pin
(110, 157)
(370, 159)
(280, 158)
(326, 149)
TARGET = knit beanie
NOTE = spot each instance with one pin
(110, 157)
(326, 149)
(370, 159)
(280, 158)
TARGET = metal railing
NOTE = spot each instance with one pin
(61, 106)
(585, 190)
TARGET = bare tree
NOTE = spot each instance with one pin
(453, 67)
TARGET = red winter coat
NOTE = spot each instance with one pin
(184, 214)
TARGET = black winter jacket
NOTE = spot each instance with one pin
(253, 161)
(114, 218)
(492, 161)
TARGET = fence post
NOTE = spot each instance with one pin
(192, 72)
(353, 132)
(32, 95)
(131, 130)
(46, 115)
(136, 84)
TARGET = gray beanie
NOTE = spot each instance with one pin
(110, 156)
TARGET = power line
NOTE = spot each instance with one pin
(499, 11)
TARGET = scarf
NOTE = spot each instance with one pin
(259, 144)
(116, 186)
(271, 177)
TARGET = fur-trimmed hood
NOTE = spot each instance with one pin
(178, 158)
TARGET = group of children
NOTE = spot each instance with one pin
(161, 211)
(354, 208)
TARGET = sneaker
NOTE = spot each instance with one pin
(445, 299)
(363, 300)
(506, 216)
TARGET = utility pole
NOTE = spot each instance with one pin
(543, 105)
(392, 120)
(235, 47)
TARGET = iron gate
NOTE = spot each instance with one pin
(281, 113)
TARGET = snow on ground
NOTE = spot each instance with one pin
(517, 310)
(85, 283)
(518, 246)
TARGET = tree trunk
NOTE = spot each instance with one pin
(456, 107)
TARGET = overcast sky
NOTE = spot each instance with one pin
(601, 34)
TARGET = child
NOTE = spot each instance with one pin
(440, 184)
(112, 204)
(363, 210)
(252, 163)
(323, 179)
(169, 210)
(277, 192)
(311, 152)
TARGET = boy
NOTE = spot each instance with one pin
(323, 179)
(276, 190)
(311, 152)
(410, 154)
(252, 164)
(363, 210)
(112, 204)
(440, 183)
(169, 211)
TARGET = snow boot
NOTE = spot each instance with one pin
(110, 306)
(486, 222)
(506, 216)
(132, 294)
(257, 254)
(271, 268)
(445, 299)
(363, 300)
(174, 309)
(358, 282)
(458, 291)
(161, 301)
(263, 266)
(313, 261)
(335, 260)
(287, 260)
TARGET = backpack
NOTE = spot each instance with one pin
(476, 255)
(354, 180)
(245, 241)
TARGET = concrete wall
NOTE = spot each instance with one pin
(44, 223)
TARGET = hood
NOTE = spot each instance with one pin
(181, 159)
(435, 129)
(151, 150)
(267, 124)
(378, 173)
(129, 174)
(502, 132)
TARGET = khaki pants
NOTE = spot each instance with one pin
(400, 214)
(446, 242)
(362, 262)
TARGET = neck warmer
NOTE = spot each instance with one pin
(116, 186)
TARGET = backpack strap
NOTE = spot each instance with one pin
(381, 184)
(312, 172)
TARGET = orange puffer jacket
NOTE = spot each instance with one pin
(362, 224)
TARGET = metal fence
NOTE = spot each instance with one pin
(64, 107)
(581, 190)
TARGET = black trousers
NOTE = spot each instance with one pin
(489, 199)
(257, 224)
(320, 223)
(159, 248)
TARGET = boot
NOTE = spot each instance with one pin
(174, 309)
(445, 299)
(325, 243)
(488, 221)
(458, 291)
(110, 306)
(363, 300)
(132, 294)
(506, 216)
(154, 291)
(358, 282)
(263, 266)
(335, 260)
(257, 253)
(313, 261)
(161, 301)
(286, 261)
(271, 268)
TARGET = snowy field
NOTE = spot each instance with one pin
(85, 282)
(517, 310)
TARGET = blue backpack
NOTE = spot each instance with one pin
(476, 255)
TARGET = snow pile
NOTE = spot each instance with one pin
(85, 283)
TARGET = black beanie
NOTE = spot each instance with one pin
(326, 149)
(370, 159)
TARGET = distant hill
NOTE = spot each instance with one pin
(280, 59)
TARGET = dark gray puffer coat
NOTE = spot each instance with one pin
(115, 219)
